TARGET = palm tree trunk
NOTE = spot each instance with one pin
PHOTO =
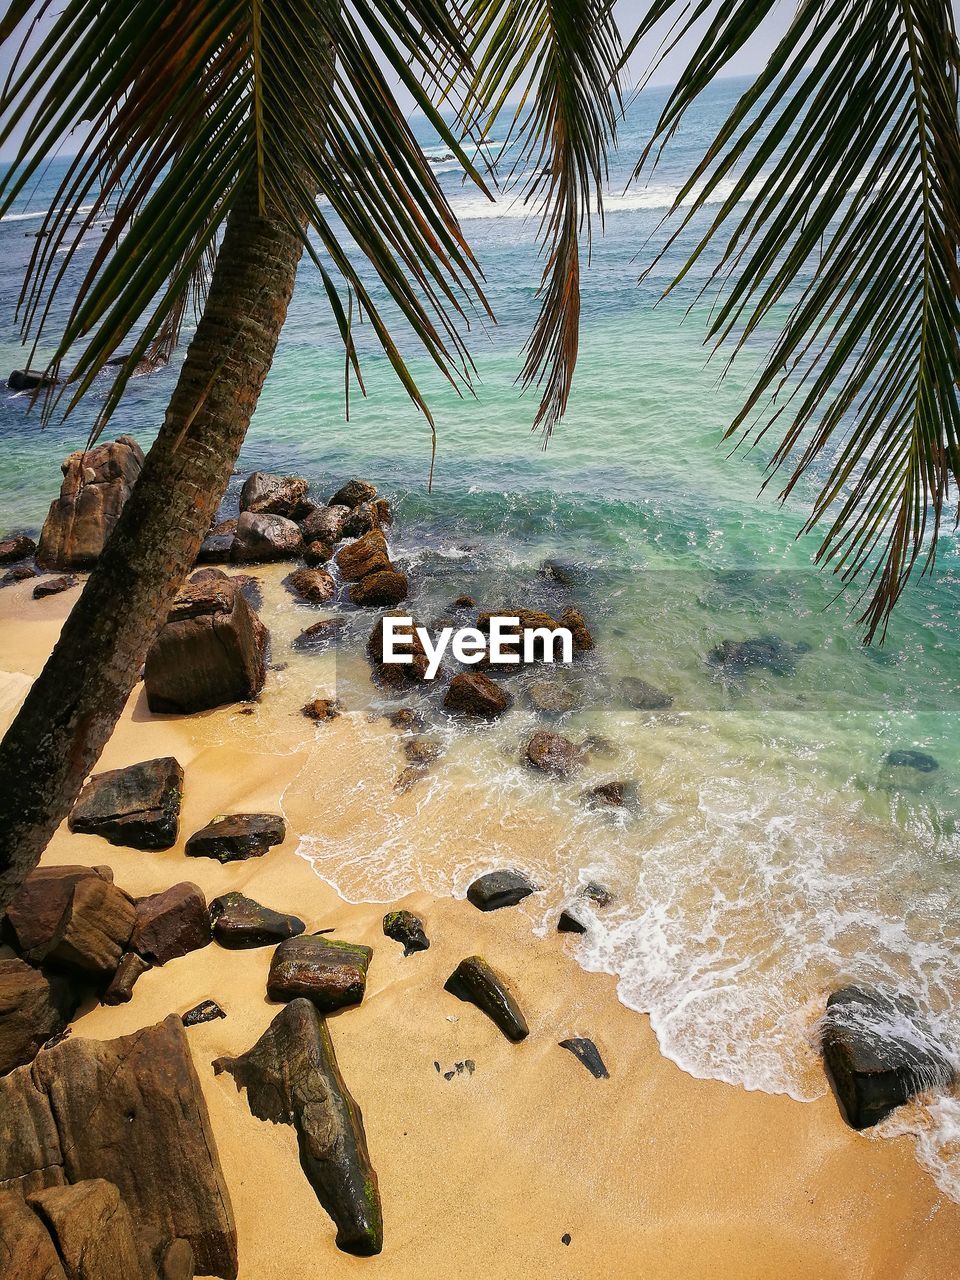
(73, 706)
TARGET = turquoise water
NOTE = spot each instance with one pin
(773, 856)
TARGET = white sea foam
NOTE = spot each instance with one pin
(656, 197)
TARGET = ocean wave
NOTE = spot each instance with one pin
(655, 197)
(31, 215)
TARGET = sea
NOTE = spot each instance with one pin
(772, 853)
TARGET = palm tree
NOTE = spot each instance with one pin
(224, 131)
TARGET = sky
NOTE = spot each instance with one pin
(629, 13)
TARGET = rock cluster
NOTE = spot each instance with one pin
(138, 806)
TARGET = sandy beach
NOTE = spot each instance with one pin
(651, 1173)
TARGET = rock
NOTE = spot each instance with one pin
(217, 546)
(564, 575)
(320, 635)
(31, 380)
(240, 923)
(528, 620)
(53, 586)
(353, 493)
(382, 511)
(587, 1053)
(72, 916)
(475, 982)
(471, 693)
(552, 697)
(130, 968)
(171, 923)
(17, 547)
(95, 1236)
(19, 573)
(406, 928)
(271, 495)
(138, 807)
(321, 709)
(576, 624)
(552, 753)
(383, 588)
(877, 1055)
(767, 652)
(331, 974)
(463, 603)
(131, 1111)
(324, 524)
(34, 1006)
(209, 653)
(406, 718)
(177, 1262)
(368, 554)
(499, 889)
(362, 519)
(421, 752)
(597, 894)
(317, 553)
(568, 923)
(96, 485)
(316, 586)
(263, 537)
(641, 696)
(566, 1238)
(26, 1250)
(237, 836)
(291, 1077)
(205, 1011)
(919, 760)
(397, 676)
(610, 795)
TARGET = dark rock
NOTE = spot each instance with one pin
(369, 554)
(317, 553)
(171, 923)
(597, 894)
(397, 676)
(475, 982)
(353, 493)
(406, 718)
(568, 923)
(316, 586)
(96, 485)
(528, 620)
(261, 537)
(130, 968)
(384, 588)
(205, 1011)
(587, 1053)
(321, 709)
(53, 586)
(138, 807)
(324, 524)
(552, 697)
(237, 836)
(382, 511)
(566, 1238)
(641, 696)
(471, 693)
(576, 624)
(362, 519)
(240, 923)
(291, 1077)
(463, 603)
(70, 916)
(130, 1111)
(610, 795)
(919, 760)
(26, 1250)
(767, 652)
(564, 575)
(34, 1006)
(331, 974)
(877, 1054)
(552, 753)
(31, 380)
(499, 889)
(320, 635)
(275, 495)
(406, 928)
(17, 547)
(217, 546)
(93, 1231)
(19, 573)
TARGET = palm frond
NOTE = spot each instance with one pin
(835, 186)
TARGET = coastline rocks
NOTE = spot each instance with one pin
(576, 624)
(316, 586)
(353, 493)
(568, 923)
(877, 1055)
(475, 982)
(130, 1111)
(292, 1077)
(641, 696)
(610, 795)
(73, 916)
(217, 546)
(362, 519)
(767, 652)
(586, 1051)
(552, 753)
(552, 697)
(92, 1231)
(31, 380)
(17, 547)
(138, 807)
(557, 571)
(317, 553)
(333, 975)
(237, 836)
(53, 586)
(19, 573)
(209, 652)
(320, 635)
(397, 676)
(499, 889)
(130, 968)
(406, 928)
(26, 1250)
(205, 1011)
(96, 485)
(171, 923)
(270, 495)
(920, 761)
(34, 1006)
(597, 894)
(264, 537)
(322, 709)
(324, 524)
(471, 693)
(368, 554)
(380, 589)
(240, 923)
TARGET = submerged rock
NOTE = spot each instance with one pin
(406, 928)
(587, 1053)
(321, 709)
(353, 493)
(171, 923)
(263, 538)
(475, 982)
(332, 974)
(54, 586)
(921, 761)
(17, 547)
(138, 806)
(130, 968)
(471, 693)
(877, 1054)
(499, 889)
(384, 588)
(19, 573)
(320, 635)
(552, 753)
(240, 923)
(641, 696)
(205, 1011)
(576, 624)
(563, 574)
(767, 652)
(272, 495)
(316, 586)
(236, 836)
(34, 1007)
(598, 894)
(96, 485)
(552, 697)
(291, 1076)
(610, 795)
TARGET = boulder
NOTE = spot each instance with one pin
(19, 573)
(462, 604)
(291, 1077)
(217, 546)
(475, 982)
(93, 1231)
(171, 923)
(561, 573)
(324, 524)
(471, 693)
(597, 894)
(17, 547)
(262, 537)
(610, 795)
(499, 889)
(130, 968)
(130, 1111)
(321, 709)
(568, 923)
(26, 1250)
(54, 586)
(353, 493)
(237, 836)
(877, 1054)
(576, 624)
(552, 753)
(332, 974)
(96, 485)
(552, 697)
(34, 1007)
(316, 586)
(317, 553)
(240, 923)
(641, 696)
(768, 653)
(382, 511)
(384, 588)
(586, 1051)
(271, 495)
(209, 652)
(406, 928)
(205, 1011)
(31, 380)
(361, 520)
(320, 635)
(71, 916)
(921, 761)
(368, 554)
(138, 807)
